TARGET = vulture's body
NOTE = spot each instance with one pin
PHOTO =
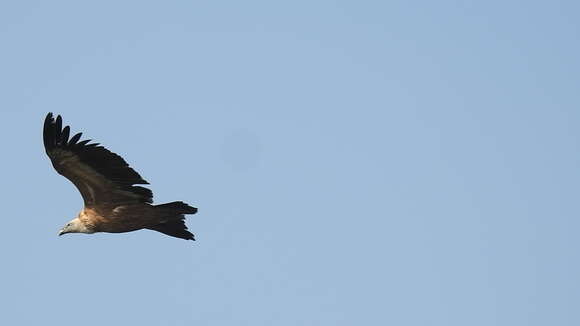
(113, 200)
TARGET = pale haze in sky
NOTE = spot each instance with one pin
(353, 162)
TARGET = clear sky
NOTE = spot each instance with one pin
(354, 162)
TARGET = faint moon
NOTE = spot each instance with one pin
(241, 150)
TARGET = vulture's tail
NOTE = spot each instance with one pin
(174, 215)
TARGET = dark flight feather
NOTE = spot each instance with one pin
(109, 165)
(75, 139)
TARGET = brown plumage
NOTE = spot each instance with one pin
(114, 201)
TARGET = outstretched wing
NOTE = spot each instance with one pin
(101, 176)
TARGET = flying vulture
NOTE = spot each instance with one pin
(113, 203)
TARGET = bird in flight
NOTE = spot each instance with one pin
(113, 201)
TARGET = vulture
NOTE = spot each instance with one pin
(113, 199)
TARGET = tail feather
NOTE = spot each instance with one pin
(174, 224)
(178, 207)
(176, 228)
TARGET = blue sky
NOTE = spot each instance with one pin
(373, 163)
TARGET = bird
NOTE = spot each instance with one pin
(114, 200)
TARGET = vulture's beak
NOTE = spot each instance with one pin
(61, 232)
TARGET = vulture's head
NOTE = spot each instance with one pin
(74, 226)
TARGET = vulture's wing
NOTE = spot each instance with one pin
(102, 177)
